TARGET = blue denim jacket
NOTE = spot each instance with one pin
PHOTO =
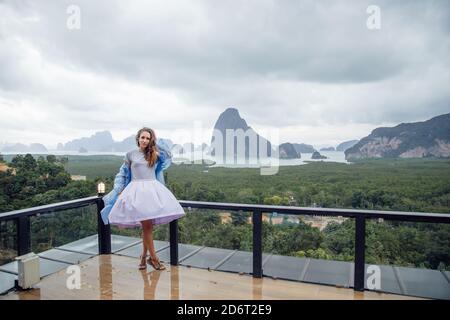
(123, 178)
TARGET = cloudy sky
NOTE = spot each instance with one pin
(313, 70)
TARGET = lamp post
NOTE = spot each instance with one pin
(104, 231)
(101, 188)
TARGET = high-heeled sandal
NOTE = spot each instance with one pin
(156, 264)
(143, 264)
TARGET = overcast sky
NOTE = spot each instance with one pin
(311, 69)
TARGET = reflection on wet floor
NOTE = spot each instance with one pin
(396, 280)
(105, 277)
(109, 277)
(150, 280)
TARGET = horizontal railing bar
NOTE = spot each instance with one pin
(49, 208)
(350, 213)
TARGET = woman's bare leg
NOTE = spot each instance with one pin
(144, 245)
(147, 227)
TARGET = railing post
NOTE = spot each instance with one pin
(174, 243)
(257, 244)
(104, 231)
(23, 235)
(360, 249)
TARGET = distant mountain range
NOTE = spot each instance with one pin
(407, 140)
(103, 142)
(429, 138)
(100, 141)
(19, 147)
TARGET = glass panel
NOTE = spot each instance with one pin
(308, 248)
(51, 230)
(10, 267)
(447, 275)
(6, 281)
(213, 228)
(423, 283)
(407, 244)
(128, 232)
(389, 280)
(183, 251)
(136, 250)
(65, 256)
(46, 267)
(316, 237)
(413, 257)
(8, 241)
(87, 245)
(207, 257)
(241, 261)
(160, 233)
(283, 267)
(329, 272)
(121, 242)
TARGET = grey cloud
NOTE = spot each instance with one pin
(258, 56)
(300, 41)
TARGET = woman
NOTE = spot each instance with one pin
(140, 197)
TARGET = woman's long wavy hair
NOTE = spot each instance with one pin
(151, 152)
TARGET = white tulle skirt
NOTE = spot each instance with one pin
(145, 200)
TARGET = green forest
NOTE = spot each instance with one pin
(421, 185)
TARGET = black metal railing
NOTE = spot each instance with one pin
(22, 218)
(360, 217)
